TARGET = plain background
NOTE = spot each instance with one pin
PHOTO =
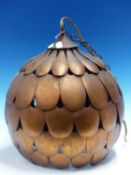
(28, 27)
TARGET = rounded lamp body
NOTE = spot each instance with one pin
(64, 107)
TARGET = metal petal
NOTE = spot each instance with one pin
(73, 92)
(87, 121)
(94, 59)
(75, 65)
(98, 156)
(113, 136)
(81, 160)
(60, 122)
(110, 85)
(12, 89)
(73, 145)
(97, 142)
(24, 153)
(12, 135)
(120, 107)
(60, 160)
(33, 121)
(95, 90)
(38, 158)
(108, 116)
(87, 63)
(12, 116)
(114, 78)
(25, 91)
(60, 65)
(47, 144)
(47, 92)
(47, 63)
(33, 64)
(25, 142)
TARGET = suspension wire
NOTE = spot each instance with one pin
(126, 130)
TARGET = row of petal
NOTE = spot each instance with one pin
(74, 149)
(61, 122)
(71, 146)
(72, 91)
(59, 62)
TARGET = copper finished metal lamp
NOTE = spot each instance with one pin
(64, 106)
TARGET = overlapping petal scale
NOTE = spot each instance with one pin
(73, 92)
(108, 116)
(87, 121)
(95, 90)
(75, 66)
(60, 122)
(60, 160)
(47, 92)
(90, 66)
(47, 144)
(33, 121)
(46, 66)
(32, 65)
(12, 89)
(25, 142)
(98, 156)
(113, 136)
(111, 86)
(12, 116)
(60, 65)
(94, 59)
(39, 158)
(25, 90)
(120, 107)
(81, 160)
(73, 145)
(97, 142)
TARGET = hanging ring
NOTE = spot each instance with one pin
(81, 39)
(62, 26)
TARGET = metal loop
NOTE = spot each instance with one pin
(81, 39)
